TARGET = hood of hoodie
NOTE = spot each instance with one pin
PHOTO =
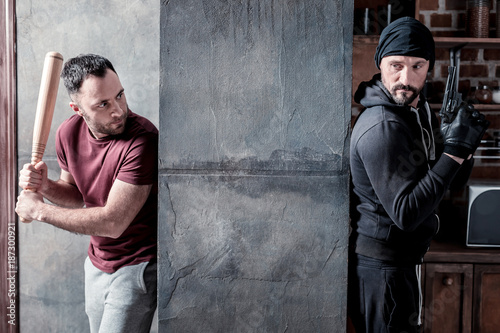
(373, 93)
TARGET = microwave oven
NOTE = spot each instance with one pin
(483, 221)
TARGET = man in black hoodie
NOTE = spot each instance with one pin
(402, 163)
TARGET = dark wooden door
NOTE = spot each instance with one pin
(9, 304)
(486, 315)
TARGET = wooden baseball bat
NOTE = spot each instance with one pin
(45, 107)
(46, 103)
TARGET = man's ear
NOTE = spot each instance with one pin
(75, 108)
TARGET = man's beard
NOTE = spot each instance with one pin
(107, 129)
(404, 98)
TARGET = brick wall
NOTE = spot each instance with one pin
(447, 18)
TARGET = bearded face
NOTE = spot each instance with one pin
(404, 77)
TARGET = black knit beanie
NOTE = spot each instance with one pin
(406, 36)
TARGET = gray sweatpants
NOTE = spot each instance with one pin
(121, 302)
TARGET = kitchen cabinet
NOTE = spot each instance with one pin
(461, 289)
(486, 316)
(447, 297)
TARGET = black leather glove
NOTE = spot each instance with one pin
(463, 135)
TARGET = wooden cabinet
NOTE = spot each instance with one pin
(448, 298)
(461, 289)
(486, 306)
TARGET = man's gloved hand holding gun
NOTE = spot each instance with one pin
(462, 126)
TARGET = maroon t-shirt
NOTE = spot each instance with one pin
(95, 164)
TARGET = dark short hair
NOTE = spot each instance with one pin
(77, 69)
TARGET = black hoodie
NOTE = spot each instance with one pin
(399, 176)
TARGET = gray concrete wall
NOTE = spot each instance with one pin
(255, 111)
(126, 32)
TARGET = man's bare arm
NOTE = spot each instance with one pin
(124, 203)
(63, 192)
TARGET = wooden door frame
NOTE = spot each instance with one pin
(9, 272)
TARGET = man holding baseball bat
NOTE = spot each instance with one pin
(108, 190)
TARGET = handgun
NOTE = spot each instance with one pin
(452, 98)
